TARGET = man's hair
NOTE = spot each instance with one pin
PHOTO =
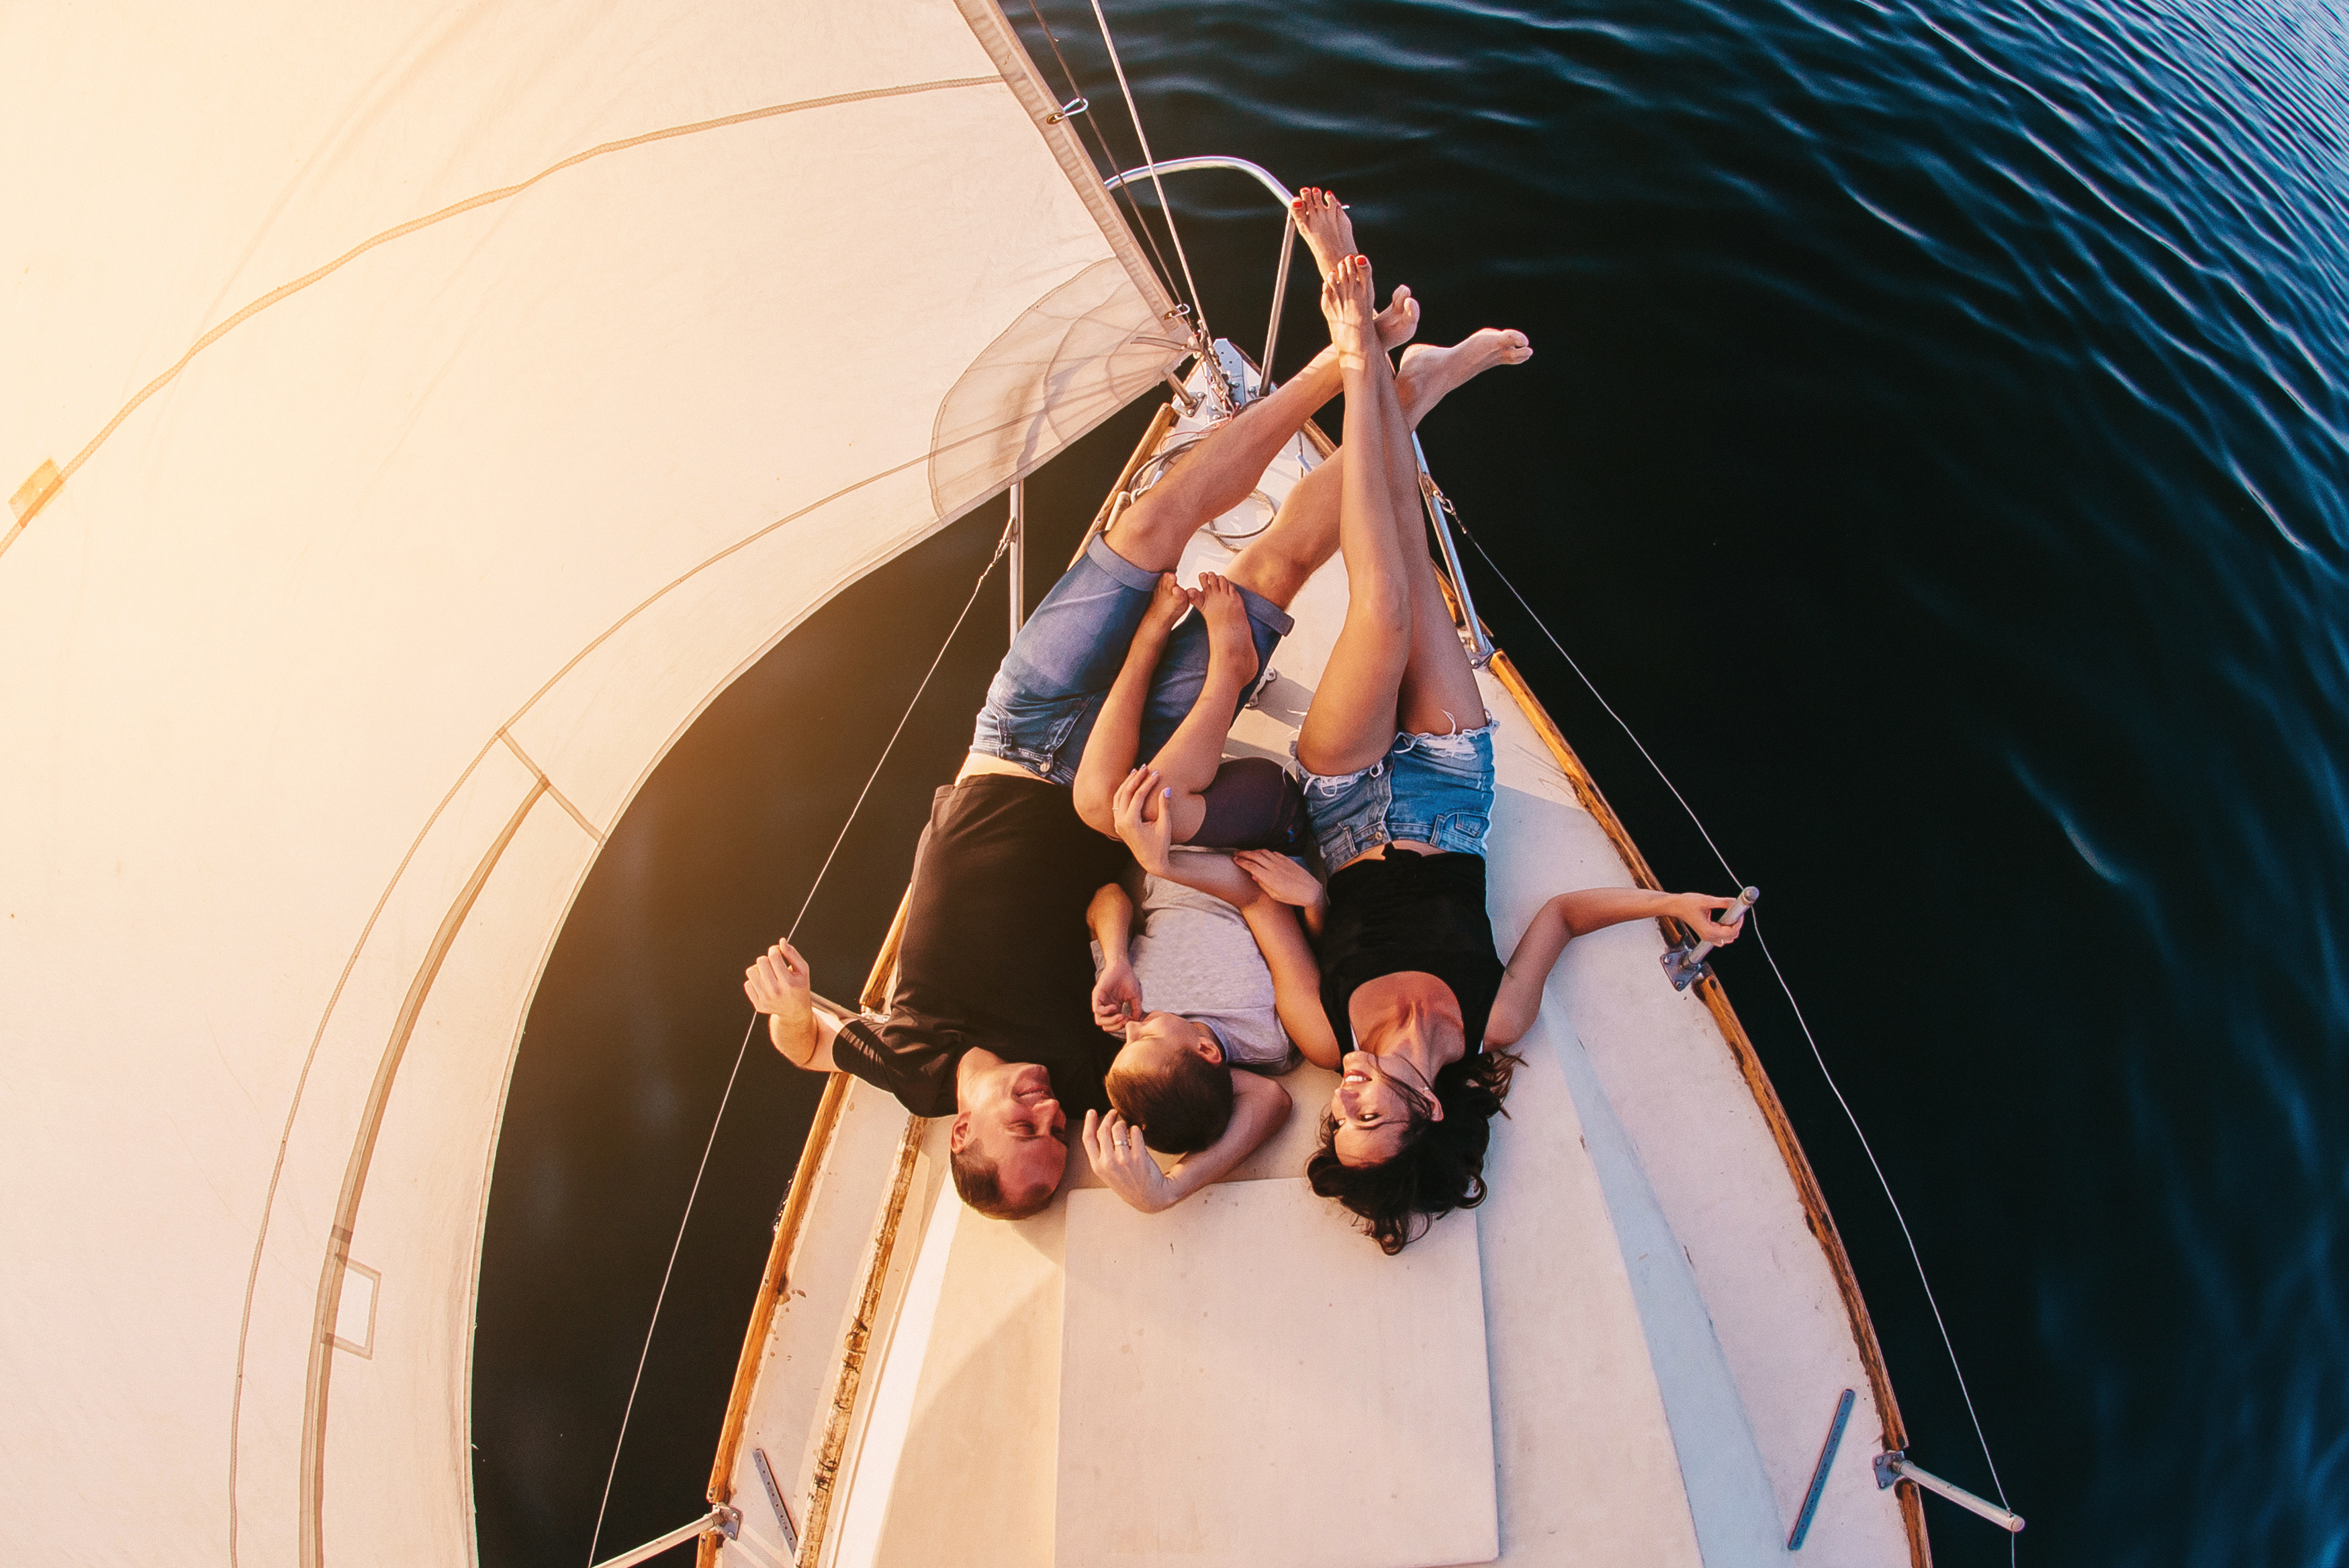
(1181, 1109)
(981, 1186)
(1439, 1168)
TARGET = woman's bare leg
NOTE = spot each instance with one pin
(1351, 721)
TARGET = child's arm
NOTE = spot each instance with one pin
(1117, 995)
(1296, 978)
(1117, 731)
(1573, 915)
(1259, 1107)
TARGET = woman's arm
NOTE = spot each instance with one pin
(1259, 1107)
(1117, 732)
(1573, 915)
(1296, 979)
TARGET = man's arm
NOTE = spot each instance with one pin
(1259, 1107)
(778, 986)
(1573, 915)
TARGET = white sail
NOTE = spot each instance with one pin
(421, 410)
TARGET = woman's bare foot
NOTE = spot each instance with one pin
(1427, 373)
(1328, 233)
(1346, 304)
(1231, 646)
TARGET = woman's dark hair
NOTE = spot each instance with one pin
(1439, 1168)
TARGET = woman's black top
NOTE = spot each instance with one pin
(1398, 911)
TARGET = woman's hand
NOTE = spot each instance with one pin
(1694, 909)
(1114, 1146)
(1139, 807)
(1117, 996)
(1280, 877)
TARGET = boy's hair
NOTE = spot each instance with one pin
(1181, 1109)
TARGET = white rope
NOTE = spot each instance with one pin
(1753, 920)
(1199, 305)
(1000, 546)
(596, 1539)
(743, 1050)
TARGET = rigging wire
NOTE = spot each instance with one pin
(1818, 1056)
(1109, 157)
(741, 1051)
(1199, 305)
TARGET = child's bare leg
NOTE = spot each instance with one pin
(1117, 730)
(1186, 764)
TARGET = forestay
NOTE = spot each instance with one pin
(422, 410)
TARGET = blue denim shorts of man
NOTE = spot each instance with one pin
(1434, 789)
(1049, 688)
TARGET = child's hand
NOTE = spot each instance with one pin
(1114, 1146)
(1280, 877)
(1117, 996)
(1144, 821)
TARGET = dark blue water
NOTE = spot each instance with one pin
(1936, 448)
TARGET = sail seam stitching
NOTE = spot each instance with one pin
(457, 209)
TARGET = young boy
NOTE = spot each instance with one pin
(1196, 990)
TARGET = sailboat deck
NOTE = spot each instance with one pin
(1668, 1321)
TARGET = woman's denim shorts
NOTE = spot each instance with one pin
(1436, 789)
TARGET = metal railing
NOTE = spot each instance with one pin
(1439, 510)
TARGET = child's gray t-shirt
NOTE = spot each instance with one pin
(1192, 954)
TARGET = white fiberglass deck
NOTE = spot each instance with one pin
(1665, 1340)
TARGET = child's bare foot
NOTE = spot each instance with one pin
(1230, 643)
(1328, 233)
(1427, 373)
(1168, 601)
(1346, 304)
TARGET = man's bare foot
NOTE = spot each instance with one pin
(1168, 601)
(1346, 304)
(1399, 320)
(1328, 233)
(1427, 372)
(1230, 644)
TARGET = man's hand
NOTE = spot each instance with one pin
(1694, 909)
(1117, 996)
(1114, 1146)
(778, 984)
(1280, 877)
(1147, 835)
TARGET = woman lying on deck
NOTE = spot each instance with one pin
(1397, 752)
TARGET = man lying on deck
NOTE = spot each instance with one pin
(990, 1020)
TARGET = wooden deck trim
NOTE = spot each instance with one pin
(859, 1340)
(775, 1280)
